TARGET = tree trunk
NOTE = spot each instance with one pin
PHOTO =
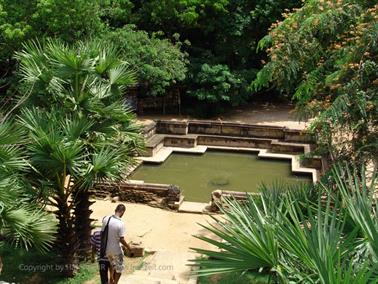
(83, 222)
(1, 265)
(66, 242)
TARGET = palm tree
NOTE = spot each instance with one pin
(294, 238)
(21, 223)
(85, 134)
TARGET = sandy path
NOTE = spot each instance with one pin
(156, 228)
(168, 233)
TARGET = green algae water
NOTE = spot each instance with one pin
(199, 175)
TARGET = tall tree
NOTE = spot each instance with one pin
(326, 55)
(21, 21)
(85, 133)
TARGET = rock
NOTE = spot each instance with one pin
(137, 251)
(115, 199)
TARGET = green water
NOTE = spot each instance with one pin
(198, 175)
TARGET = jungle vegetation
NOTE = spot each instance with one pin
(67, 65)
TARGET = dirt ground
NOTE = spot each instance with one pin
(263, 114)
(156, 229)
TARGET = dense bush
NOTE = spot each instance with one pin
(215, 83)
(159, 63)
(221, 33)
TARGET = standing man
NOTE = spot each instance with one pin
(115, 237)
(103, 262)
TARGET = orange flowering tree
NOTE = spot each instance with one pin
(324, 55)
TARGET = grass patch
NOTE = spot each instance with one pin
(88, 273)
(32, 267)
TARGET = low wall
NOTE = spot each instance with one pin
(177, 141)
(235, 129)
(232, 129)
(172, 127)
(313, 162)
(149, 130)
(294, 135)
(286, 148)
(159, 195)
(233, 142)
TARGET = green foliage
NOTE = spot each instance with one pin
(294, 238)
(221, 33)
(215, 83)
(159, 63)
(22, 20)
(188, 12)
(19, 265)
(232, 278)
(13, 26)
(22, 224)
(66, 19)
(116, 13)
(84, 116)
(78, 128)
(38, 19)
(325, 54)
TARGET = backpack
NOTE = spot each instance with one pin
(104, 240)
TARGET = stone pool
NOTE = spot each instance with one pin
(199, 175)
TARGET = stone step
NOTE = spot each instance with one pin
(195, 150)
(187, 141)
(177, 204)
(159, 156)
(192, 207)
(154, 144)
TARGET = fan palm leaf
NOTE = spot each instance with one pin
(79, 130)
(297, 239)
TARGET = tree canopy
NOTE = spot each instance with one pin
(325, 55)
(159, 63)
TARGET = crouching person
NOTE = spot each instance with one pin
(103, 262)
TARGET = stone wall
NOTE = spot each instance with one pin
(234, 141)
(172, 127)
(278, 147)
(159, 195)
(232, 129)
(235, 129)
(179, 141)
(149, 130)
(294, 135)
(313, 162)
